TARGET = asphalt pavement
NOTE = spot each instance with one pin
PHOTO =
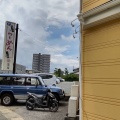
(19, 112)
(7, 114)
(2, 117)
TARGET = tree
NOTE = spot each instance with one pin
(66, 71)
(71, 77)
(58, 72)
(67, 76)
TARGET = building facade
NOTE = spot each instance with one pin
(31, 71)
(20, 69)
(100, 60)
(41, 62)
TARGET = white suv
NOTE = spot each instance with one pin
(48, 78)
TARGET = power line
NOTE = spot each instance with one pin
(43, 44)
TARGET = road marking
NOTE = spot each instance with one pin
(9, 114)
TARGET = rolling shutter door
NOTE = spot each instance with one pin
(101, 72)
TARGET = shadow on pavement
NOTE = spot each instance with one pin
(41, 109)
(63, 103)
(19, 103)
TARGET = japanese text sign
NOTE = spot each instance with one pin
(8, 50)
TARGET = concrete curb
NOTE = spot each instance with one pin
(10, 115)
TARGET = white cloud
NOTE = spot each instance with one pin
(34, 17)
(56, 49)
(67, 38)
(64, 61)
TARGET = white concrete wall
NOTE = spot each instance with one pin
(73, 104)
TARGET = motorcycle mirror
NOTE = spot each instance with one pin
(53, 85)
(49, 90)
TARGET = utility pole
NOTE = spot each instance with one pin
(15, 53)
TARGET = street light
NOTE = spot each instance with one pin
(72, 22)
(76, 29)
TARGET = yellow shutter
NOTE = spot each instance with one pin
(90, 4)
(101, 72)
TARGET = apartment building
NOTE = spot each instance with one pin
(41, 62)
(100, 59)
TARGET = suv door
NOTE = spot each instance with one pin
(33, 85)
(13, 84)
(18, 87)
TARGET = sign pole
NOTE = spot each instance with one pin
(15, 53)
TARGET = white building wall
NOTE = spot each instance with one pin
(20, 69)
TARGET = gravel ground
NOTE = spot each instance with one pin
(40, 114)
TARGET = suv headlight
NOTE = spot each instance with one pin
(61, 91)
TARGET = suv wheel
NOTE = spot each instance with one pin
(7, 99)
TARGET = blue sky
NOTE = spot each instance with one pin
(44, 27)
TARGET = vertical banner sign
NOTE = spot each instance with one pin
(8, 49)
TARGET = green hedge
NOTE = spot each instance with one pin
(71, 77)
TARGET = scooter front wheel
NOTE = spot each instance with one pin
(30, 104)
(53, 106)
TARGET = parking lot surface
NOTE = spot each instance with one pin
(40, 114)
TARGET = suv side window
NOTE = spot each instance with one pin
(18, 81)
(32, 81)
(5, 80)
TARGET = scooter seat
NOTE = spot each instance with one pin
(37, 95)
(40, 96)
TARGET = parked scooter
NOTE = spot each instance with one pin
(40, 101)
